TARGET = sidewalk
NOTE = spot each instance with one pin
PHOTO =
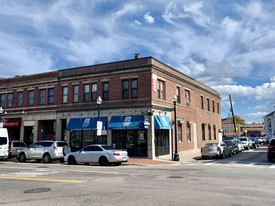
(184, 157)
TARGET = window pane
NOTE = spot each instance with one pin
(76, 89)
(86, 93)
(3, 100)
(42, 96)
(51, 96)
(125, 89)
(20, 99)
(94, 92)
(65, 94)
(10, 100)
(31, 94)
(105, 91)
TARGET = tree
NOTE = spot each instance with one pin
(238, 119)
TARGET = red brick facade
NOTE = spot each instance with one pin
(115, 74)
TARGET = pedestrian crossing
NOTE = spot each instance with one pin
(232, 163)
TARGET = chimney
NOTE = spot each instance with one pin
(137, 56)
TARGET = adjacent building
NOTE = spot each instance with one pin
(137, 109)
(269, 122)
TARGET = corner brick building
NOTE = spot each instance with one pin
(137, 110)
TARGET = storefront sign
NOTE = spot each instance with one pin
(155, 83)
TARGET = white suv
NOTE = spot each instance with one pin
(45, 150)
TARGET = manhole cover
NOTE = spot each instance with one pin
(175, 177)
(37, 190)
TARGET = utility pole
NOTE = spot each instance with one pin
(231, 109)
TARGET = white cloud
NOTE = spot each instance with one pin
(148, 18)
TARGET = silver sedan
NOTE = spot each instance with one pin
(215, 149)
(101, 154)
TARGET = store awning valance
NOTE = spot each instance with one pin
(77, 124)
(127, 122)
(11, 122)
(162, 122)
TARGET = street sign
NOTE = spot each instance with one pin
(180, 119)
(167, 110)
(99, 125)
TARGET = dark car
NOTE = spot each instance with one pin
(255, 142)
(271, 150)
(233, 146)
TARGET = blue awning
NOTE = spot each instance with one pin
(77, 124)
(127, 122)
(162, 122)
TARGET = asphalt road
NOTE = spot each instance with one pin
(244, 179)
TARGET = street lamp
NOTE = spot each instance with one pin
(99, 102)
(176, 156)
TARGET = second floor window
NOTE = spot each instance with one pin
(86, 92)
(208, 105)
(42, 96)
(94, 92)
(218, 108)
(51, 96)
(65, 95)
(30, 98)
(215, 136)
(129, 89)
(160, 89)
(105, 91)
(178, 94)
(20, 99)
(76, 91)
(213, 105)
(9, 100)
(187, 97)
(3, 100)
(202, 106)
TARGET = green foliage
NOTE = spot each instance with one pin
(238, 119)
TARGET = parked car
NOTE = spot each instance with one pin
(232, 146)
(271, 150)
(215, 149)
(45, 150)
(255, 142)
(247, 143)
(97, 153)
(239, 144)
(15, 147)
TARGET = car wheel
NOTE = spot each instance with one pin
(46, 158)
(71, 160)
(22, 157)
(204, 157)
(103, 161)
(269, 158)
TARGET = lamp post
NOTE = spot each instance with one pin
(99, 102)
(176, 155)
(1, 111)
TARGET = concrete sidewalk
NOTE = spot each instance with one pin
(184, 157)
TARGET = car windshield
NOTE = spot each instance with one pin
(243, 139)
(3, 140)
(46, 144)
(61, 144)
(211, 145)
(107, 147)
(228, 142)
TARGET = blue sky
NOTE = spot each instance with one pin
(227, 45)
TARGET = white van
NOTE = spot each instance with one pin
(4, 144)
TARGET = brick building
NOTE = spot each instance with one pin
(136, 111)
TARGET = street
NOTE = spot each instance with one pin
(244, 179)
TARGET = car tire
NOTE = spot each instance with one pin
(269, 158)
(223, 156)
(22, 157)
(103, 161)
(46, 158)
(204, 157)
(71, 160)
(117, 163)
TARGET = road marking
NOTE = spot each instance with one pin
(41, 179)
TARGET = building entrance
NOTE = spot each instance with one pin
(135, 141)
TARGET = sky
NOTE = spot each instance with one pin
(229, 45)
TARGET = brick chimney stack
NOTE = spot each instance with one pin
(137, 56)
